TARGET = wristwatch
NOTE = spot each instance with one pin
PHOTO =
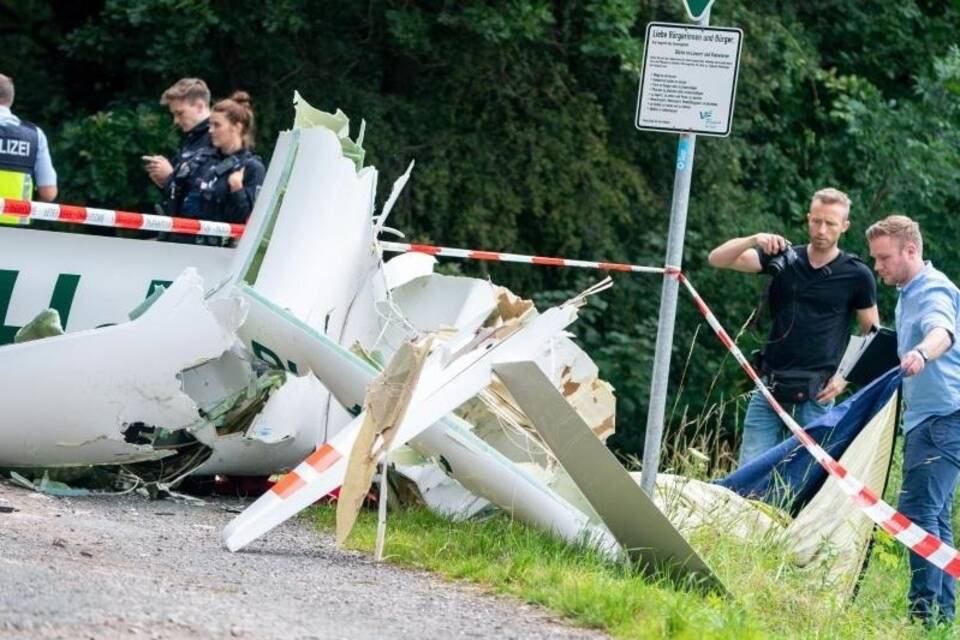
(923, 354)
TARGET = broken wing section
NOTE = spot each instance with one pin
(636, 522)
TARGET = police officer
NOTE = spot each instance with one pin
(25, 162)
(189, 103)
(228, 186)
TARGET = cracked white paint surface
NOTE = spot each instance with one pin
(68, 399)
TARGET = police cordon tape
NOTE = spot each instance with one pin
(467, 254)
(896, 524)
(118, 219)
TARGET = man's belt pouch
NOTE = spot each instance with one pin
(795, 387)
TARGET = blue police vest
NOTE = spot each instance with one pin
(18, 147)
(181, 195)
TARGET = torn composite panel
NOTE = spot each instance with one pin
(386, 403)
(434, 303)
(633, 518)
(102, 381)
(326, 201)
(285, 429)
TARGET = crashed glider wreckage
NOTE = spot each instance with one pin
(276, 356)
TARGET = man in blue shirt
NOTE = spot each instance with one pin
(927, 314)
(25, 162)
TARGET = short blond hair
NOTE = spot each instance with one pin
(189, 89)
(900, 228)
(832, 196)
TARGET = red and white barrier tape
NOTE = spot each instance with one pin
(467, 254)
(118, 219)
(896, 524)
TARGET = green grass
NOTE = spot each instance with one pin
(772, 598)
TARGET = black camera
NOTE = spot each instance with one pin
(780, 261)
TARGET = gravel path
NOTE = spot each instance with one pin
(124, 567)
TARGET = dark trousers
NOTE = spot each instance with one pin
(931, 467)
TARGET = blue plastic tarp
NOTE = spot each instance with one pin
(787, 476)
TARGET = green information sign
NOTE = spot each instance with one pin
(696, 8)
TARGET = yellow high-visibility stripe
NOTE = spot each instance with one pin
(16, 186)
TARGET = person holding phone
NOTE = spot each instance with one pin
(189, 103)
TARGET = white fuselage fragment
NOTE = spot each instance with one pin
(97, 383)
(107, 277)
(321, 261)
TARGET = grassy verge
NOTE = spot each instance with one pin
(772, 597)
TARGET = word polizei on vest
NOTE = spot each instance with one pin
(12, 147)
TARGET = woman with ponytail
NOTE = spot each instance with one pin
(230, 182)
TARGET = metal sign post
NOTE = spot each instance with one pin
(681, 64)
(668, 314)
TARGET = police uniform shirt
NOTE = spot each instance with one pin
(180, 191)
(17, 146)
(217, 201)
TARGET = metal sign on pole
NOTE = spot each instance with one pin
(688, 86)
(689, 78)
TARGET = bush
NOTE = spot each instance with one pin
(98, 157)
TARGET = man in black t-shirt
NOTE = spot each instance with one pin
(814, 293)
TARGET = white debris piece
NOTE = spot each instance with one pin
(102, 381)
(284, 432)
(644, 531)
(441, 495)
(447, 304)
(405, 267)
(321, 249)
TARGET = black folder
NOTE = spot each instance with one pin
(878, 355)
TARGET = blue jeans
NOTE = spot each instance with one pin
(931, 467)
(763, 429)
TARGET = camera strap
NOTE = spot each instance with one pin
(797, 289)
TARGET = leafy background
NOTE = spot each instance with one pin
(519, 114)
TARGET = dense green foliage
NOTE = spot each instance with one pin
(519, 114)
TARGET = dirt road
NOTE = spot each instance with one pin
(125, 567)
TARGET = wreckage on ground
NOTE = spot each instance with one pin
(302, 351)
